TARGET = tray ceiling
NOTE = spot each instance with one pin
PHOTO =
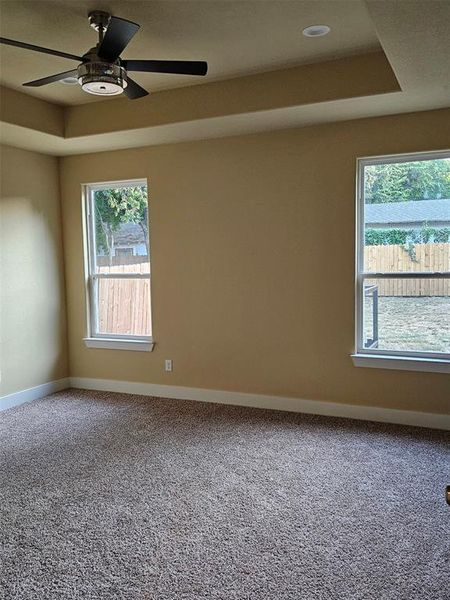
(235, 37)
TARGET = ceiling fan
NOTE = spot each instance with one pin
(101, 70)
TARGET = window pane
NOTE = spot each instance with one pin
(124, 306)
(407, 314)
(407, 216)
(121, 230)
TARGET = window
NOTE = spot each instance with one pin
(403, 262)
(118, 266)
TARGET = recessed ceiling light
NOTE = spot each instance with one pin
(316, 30)
(69, 81)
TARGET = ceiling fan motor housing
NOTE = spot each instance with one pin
(102, 78)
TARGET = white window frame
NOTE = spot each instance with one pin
(93, 338)
(374, 357)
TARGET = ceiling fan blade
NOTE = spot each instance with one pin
(134, 90)
(51, 78)
(117, 37)
(39, 49)
(180, 67)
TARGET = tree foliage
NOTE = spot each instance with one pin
(401, 182)
(115, 206)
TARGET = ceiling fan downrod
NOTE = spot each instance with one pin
(99, 20)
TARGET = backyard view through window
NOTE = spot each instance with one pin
(119, 260)
(403, 262)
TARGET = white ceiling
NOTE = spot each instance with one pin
(235, 37)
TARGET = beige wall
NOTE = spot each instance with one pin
(253, 262)
(17, 108)
(33, 348)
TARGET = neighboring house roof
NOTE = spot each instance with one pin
(409, 213)
(129, 234)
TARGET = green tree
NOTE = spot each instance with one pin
(115, 206)
(400, 182)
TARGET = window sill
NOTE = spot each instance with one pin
(117, 344)
(401, 363)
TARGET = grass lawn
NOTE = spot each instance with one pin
(411, 323)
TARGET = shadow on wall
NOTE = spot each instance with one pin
(32, 299)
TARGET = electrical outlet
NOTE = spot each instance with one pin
(168, 364)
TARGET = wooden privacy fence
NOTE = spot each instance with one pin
(124, 304)
(419, 258)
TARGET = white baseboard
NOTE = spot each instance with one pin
(33, 393)
(316, 407)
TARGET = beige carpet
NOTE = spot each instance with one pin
(108, 496)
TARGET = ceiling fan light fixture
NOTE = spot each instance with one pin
(102, 88)
(102, 79)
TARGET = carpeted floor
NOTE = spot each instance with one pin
(108, 496)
